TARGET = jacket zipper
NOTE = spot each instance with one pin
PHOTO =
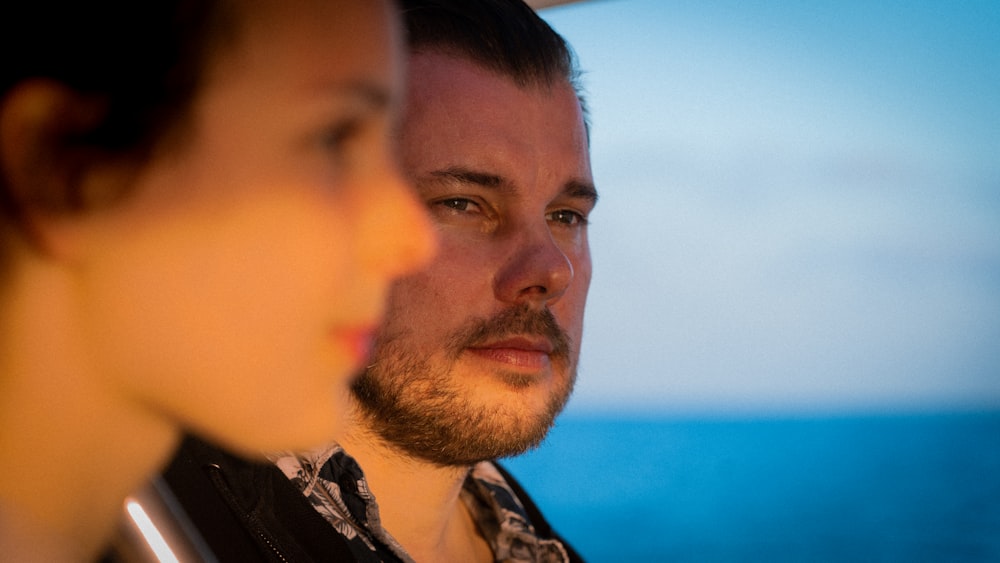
(267, 540)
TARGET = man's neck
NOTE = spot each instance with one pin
(419, 502)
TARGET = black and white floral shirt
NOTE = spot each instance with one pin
(336, 487)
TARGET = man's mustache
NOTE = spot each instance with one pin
(517, 321)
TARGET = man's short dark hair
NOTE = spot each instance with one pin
(505, 36)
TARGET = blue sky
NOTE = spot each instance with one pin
(800, 204)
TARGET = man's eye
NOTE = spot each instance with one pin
(567, 217)
(459, 204)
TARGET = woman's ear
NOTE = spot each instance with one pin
(42, 163)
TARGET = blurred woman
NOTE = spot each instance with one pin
(200, 213)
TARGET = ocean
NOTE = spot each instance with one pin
(880, 488)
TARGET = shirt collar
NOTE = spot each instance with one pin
(335, 485)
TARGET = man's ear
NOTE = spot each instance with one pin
(42, 163)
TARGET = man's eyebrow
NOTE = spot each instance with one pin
(582, 190)
(573, 188)
(466, 176)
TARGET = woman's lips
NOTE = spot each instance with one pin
(358, 342)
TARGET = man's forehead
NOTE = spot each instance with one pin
(467, 124)
(449, 92)
(434, 70)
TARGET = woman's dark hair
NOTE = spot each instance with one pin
(140, 61)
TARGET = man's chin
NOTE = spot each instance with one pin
(461, 415)
(464, 439)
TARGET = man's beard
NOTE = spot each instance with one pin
(421, 410)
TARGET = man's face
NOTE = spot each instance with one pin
(479, 350)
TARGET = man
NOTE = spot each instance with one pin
(480, 350)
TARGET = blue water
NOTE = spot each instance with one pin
(907, 488)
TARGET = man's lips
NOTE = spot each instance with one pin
(521, 352)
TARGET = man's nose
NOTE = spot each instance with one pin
(537, 270)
